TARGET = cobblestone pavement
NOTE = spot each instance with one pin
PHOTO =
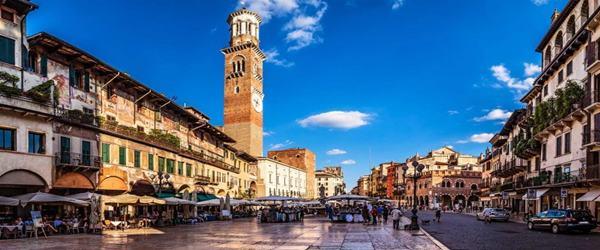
(461, 231)
(313, 233)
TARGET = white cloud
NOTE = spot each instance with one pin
(337, 119)
(462, 141)
(397, 4)
(302, 28)
(303, 18)
(532, 69)
(495, 114)
(268, 133)
(273, 57)
(348, 162)
(336, 151)
(481, 138)
(502, 74)
(280, 145)
(453, 112)
(539, 2)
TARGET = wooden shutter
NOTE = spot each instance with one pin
(86, 82)
(44, 65)
(7, 50)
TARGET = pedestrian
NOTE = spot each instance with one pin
(386, 212)
(438, 215)
(396, 214)
(380, 213)
(365, 214)
(374, 215)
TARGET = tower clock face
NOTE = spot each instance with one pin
(257, 101)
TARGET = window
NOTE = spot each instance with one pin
(180, 168)
(188, 170)
(7, 139)
(86, 153)
(161, 164)
(543, 152)
(560, 76)
(558, 146)
(44, 65)
(545, 89)
(105, 153)
(568, 143)
(569, 68)
(65, 150)
(7, 50)
(170, 166)
(36, 143)
(8, 16)
(151, 162)
(136, 159)
(122, 156)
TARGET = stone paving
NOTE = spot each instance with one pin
(313, 233)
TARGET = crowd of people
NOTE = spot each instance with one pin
(368, 214)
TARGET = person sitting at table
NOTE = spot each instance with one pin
(59, 224)
(48, 225)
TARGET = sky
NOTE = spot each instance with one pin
(358, 82)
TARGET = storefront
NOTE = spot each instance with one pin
(591, 201)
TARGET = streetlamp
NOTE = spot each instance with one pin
(161, 176)
(418, 168)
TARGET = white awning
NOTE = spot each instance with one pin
(538, 194)
(590, 196)
(485, 199)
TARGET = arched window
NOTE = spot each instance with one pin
(474, 187)
(570, 28)
(457, 185)
(585, 11)
(443, 184)
(547, 56)
(239, 64)
(558, 43)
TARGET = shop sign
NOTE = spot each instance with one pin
(563, 193)
(504, 195)
(531, 194)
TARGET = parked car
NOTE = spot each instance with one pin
(559, 220)
(493, 214)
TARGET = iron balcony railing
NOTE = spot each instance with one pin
(76, 159)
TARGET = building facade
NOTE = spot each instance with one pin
(554, 141)
(363, 185)
(332, 181)
(90, 127)
(300, 158)
(281, 179)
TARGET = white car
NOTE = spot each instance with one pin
(493, 214)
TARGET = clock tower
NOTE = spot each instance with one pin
(243, 107)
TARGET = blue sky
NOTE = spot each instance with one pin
(378, 80)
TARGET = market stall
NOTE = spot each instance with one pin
(349, 212)
(278, 210)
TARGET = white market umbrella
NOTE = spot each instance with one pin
(277, 198)
(85, 196)
(177, 201)
(7, 201)
(46, 198)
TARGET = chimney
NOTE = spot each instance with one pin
(555, 15)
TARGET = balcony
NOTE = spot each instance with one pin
(552, 116)
(165, 141)
(506, 186)
(512, 168)
(591, 138)
(77, 161)
(592, 56)
(77, 116)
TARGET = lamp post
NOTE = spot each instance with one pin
(161, 176)
(418, 168)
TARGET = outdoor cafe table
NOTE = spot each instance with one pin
(7, 227)
(118, 223)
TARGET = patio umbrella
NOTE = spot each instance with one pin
(151, 200)
(7, 201)
(85, 196)
(177, 201)
(46, 198)
(121, 199)
(208, 203)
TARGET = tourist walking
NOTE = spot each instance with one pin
(374, 214)
(396, 214)
(380, 213)
(438, 215)
(386, 212)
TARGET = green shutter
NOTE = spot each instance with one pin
(7, 50)
(44, 65)
(188, 170)
(150, 162)
(122, 156)
(71, 76)
(136, 159)
(86, 153)
(86, 82)
(161, 164)
(180, 168)
(105, 153)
